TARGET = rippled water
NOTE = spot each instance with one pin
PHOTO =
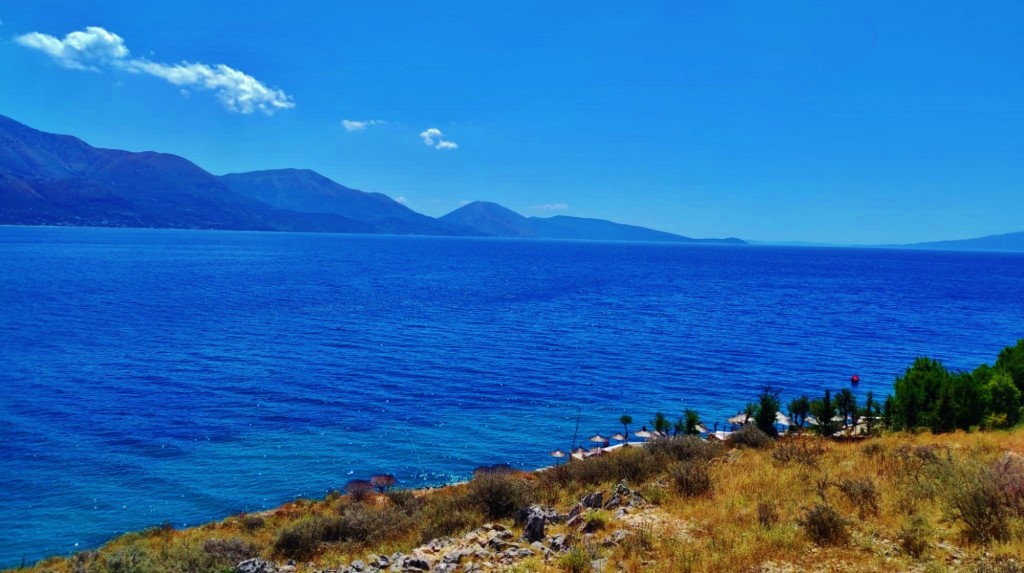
(181, 376)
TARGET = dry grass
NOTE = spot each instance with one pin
(895, 492)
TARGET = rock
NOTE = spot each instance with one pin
(256, 565)
(622, 489)
(593, 500)
(598, 565)
(549, 513)
(558, 543)
(615, 501)
(415, 563)
(574, 521)
(621, 513)
(534, 530)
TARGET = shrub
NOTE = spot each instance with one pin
(595, 520)
(685, 448)
(302, 539)
(913, 536)
(749, 436)
(131, 559)
(862, 493)
(641, 542)
(251, 523)
(636, 465)
(445, 515)
(985, 498)
(383, 482)
(359, 489)
(691, 479)
(499, 495)
(767, 515)
(576, 560)
(824, 525)
(229, 551)
(403, 498)
(798, 451)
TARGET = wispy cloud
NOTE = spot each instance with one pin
(552, 207)
(353, 125)
(434, 138)
(95, 48)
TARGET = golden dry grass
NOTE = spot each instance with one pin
(894, 476)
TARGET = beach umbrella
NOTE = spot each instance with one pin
(619, 437)
(811, 420)
(738, 419)
(702, 428)
(599, 439)
(783, 419)
(643, 434)
(558, 454)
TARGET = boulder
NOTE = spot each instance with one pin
(593, 500)
(534, 530)
(549, 513)
(256, 565)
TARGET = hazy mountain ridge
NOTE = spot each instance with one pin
(51, 179)
(1011, 242)
(495, 220)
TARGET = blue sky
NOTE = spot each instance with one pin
(845, 122)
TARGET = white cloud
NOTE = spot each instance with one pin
(237, 91)
(93, 47)
(434, 138)
(401, 200)
(552, 207)
(353, 125)
(79, 50)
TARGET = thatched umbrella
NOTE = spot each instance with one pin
(618, 437)
(645, 434)
(739, 419)
(558, 454)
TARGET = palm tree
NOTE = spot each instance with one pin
(692, 421)
(661, 423)
(626, 420)
(798, 410)
(846, 403)
(678, 426)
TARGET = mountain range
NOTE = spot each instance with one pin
(50, 179)
(1010, 242)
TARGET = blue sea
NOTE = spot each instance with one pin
(154, 376)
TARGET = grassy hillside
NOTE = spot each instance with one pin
(900, 502)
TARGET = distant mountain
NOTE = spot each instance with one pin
(497, 221)
(1005, 242)
(491, 219)
(309, 192)
(49, 179)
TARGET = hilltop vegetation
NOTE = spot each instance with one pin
(898, 499)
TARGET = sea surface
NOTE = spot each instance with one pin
(151, 376)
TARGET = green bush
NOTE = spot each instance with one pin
(767, 515)
(913, 536)
(445, 515)
(749, 436)
(691, 479)
(576, 560)
(500, 495)
(685, 448)
(862, 494)
(824, 525)
(986, 498)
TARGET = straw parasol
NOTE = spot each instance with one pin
(599, 439)
(558, 454)
(643, 434)
(701, 428)
(739, 419)
(619, 437)
(783, 419)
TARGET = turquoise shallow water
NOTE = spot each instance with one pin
(182, 376)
